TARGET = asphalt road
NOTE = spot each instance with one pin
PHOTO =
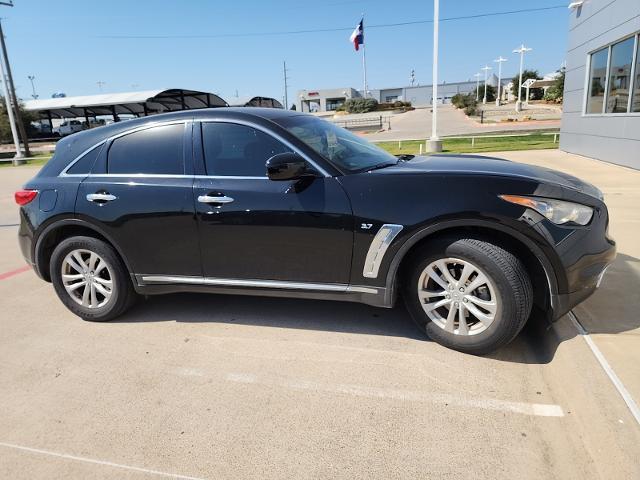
(207, 386)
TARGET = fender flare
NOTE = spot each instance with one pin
(71, 221)
(547, 266)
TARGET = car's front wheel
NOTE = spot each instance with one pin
(90, 279)
(468, 294)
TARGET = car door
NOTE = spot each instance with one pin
(140, 194)
(253, 228)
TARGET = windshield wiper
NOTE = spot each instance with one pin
(378, 166)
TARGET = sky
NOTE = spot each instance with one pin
(225, 47)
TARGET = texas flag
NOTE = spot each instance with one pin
(357, 37)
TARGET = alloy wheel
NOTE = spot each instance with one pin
(458, 296)
(87, 278)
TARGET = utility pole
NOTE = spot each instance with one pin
(499, 61)
(486, 69)
(33, 87)
(521, 50)
(477, 75)
(435, 144)
(412, 77)
(100, 84)
(286, 88)
(12, 94)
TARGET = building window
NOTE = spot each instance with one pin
(620, 76)
(610, 82)
(597, 80)
(635, 102)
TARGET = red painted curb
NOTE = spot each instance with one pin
(11, 273)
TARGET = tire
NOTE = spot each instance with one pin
(102, 275)
(494, 311)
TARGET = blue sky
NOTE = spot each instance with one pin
(66, 44)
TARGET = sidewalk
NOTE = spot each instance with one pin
(416, 125)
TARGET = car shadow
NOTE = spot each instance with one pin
(341, 317)
(536, 344)
(602, 313)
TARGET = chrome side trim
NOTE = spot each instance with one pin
(378, 248)
(232, 282)
(75, 160)
(277, 284)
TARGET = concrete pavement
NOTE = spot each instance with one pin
(207, 386)
(416, 125)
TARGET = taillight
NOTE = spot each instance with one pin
(25, 196)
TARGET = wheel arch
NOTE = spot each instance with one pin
(60, 229)
(537, 262)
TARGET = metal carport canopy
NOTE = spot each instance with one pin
(137, 103)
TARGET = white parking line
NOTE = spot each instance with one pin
(622, 390)
(535, 409)
(97, 462)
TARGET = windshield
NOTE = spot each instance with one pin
(342, 148)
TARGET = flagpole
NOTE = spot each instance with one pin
(364, 61)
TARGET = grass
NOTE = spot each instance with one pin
(37, 160)
(482, 143)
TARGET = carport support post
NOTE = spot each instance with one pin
(50, 121)
(13, 98)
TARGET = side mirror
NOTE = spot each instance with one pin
(287, 166)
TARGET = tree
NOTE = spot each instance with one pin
(555, 92)
(5, 128)
(491, 93)
(535, 93)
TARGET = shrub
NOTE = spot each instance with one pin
(555, 92)
(361, 105)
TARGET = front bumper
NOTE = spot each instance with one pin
(586, 276)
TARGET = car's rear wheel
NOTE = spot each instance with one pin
(468, 294)
(90, 279)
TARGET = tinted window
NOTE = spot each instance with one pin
(84, 165)
(157, 150)
(620, 76)
(337, 145)
(238, 150)
(597, 80)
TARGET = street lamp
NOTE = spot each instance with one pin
(499, 61)
(486, 69)
(435, 144)
(522, 50)
(477, 75)
(33, 88)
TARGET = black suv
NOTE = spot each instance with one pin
(270, 202)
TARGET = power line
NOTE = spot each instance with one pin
(341, 29)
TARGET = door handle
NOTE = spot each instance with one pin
(100, 197)
(214, 199)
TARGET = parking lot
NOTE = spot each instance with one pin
(212, 386)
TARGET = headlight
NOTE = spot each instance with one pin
(558, 211)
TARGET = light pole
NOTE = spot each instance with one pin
(435, 144)
(477, 75)
(100, 84)
(486, 69)
(33, 88)
(499, 61)
(19, 158)
(521, 50)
